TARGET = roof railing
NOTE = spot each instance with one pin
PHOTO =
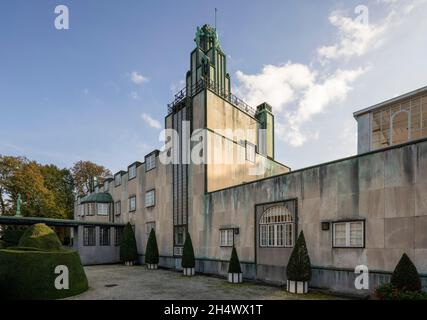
(202, 84)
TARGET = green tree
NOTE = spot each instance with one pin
(234, 265)
(188, 260)
(84, 173)
(60, 183)
(405, 276)
(152, 251)
(299, 265)
(8, 166)
(128, 248)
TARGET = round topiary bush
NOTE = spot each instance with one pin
(28, 271)
(152, 251)
(405, 276)
(128, 248)
(40, 236)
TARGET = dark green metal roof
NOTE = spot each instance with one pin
(99, 197)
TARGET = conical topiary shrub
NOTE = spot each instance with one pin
(405, 276)
(188, 260)
(152, 252)
(298, 270)
(128, 248)
(234, 270)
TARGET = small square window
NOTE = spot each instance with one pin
(226, 237)
(349, 234)
(150, 198)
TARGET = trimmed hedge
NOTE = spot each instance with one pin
(405, 276)
(188, 260)
(234, 265)
(299, 265)
(152, 251)
(128, 248)
(40, 236)
(12, 234)
(389, 292)
(31, 274)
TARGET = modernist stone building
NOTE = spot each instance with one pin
(367, 209)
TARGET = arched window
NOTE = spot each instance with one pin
(276, 227)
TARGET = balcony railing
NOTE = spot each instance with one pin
(202, 84)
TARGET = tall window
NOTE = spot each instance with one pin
(226, 237)
(150, 198)
(118, 236)
(89, 236)
(118, 179)
(132, 203)
(277, 227)
(148, 227)
(150, 162)
(349, 234)
(179, 235)
(250, 152)
(104, 236)
(132, 171)
(118, 208)
(103, 209)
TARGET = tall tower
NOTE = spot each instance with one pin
(238, 142)
(208, 62)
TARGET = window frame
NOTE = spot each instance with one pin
(150, 156)
(86, 239)
(115, 179)
(129, 171)
(118, 204)
(129, 202)
(100, 205)
(118, 232)
(348, 233)
(102, 229)
(226, 231)
(273, 228)
(154, 198)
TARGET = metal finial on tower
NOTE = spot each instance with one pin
(215, 17)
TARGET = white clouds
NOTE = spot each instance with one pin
(153, 123)
(298, 92)
(137, 78)
(279, 83)
(355, 38)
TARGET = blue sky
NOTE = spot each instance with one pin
(98, 90)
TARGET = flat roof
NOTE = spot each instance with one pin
(54, 222)
(390, 101)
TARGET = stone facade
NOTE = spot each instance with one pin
(385, 191)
